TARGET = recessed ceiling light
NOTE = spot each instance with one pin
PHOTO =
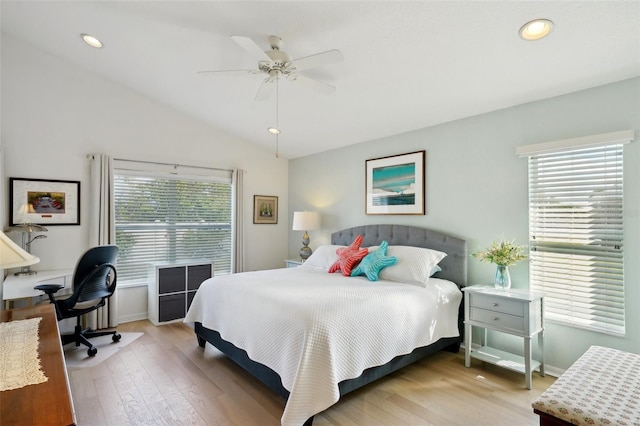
(91, 41)
(536, 29)
(274, 130)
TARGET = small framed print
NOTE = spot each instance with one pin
(44, 202)
(395, 184)
(265, 209)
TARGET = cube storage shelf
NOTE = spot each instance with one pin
(172, 286)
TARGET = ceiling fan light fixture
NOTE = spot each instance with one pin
(536, 29)
(273, 130)
(91, 40)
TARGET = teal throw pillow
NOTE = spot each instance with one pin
(374, 262)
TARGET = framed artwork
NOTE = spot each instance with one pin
(44, 202)
(265, 209)
(395, 184)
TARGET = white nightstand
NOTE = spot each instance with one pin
(517, 312)
(289, 263)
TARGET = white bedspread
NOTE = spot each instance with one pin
(317, 329)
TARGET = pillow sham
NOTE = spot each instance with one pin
(374, 262)
(435, 270)
(349, 257)
(415, 264)
(323, 257)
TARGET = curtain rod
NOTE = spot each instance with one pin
(172, 164)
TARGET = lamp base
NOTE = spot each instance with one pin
(305, 252)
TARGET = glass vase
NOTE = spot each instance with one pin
(502, 279)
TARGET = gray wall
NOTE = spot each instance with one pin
(476, 189)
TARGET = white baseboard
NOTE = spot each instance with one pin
(132, 317)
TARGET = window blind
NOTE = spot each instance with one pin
(162, 217)
(576, 235)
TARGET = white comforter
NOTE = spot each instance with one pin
(317, 329)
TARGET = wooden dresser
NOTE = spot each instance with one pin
(47, 403)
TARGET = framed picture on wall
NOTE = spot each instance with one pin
(265, 209)
(44, 201)
(395, 184)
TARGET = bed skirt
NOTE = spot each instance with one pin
(272, 380)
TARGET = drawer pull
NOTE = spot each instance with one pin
(495, 318)
(494, 304)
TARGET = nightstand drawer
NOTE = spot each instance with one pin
(497, 320)
(497, 304)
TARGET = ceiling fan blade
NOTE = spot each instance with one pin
(212, 72)
(324, 58)
(251, 48)
(264, 92)
(312, 84)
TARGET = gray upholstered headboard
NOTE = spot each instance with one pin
(454, 266)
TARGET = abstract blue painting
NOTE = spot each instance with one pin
(395, 184)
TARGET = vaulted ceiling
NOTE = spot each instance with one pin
(407, 64)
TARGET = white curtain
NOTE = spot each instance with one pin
(102, 229)
(238, 222)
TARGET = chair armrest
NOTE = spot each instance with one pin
(49, 288)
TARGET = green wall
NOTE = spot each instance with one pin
(476, 189)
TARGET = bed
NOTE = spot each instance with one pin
(310, 335)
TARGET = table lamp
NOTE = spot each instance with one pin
(12, 256)
(27, 228)
(305, 221)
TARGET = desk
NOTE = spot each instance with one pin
(47, 403)
(22, 286)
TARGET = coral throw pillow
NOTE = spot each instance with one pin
(349, 257)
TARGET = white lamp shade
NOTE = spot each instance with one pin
(305, 221)
(12, 256)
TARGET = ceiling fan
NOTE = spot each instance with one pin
(277, 63)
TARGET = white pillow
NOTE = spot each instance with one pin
(322, 257)
(434, 270)
(415, 264)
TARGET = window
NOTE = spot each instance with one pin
(576, 234)
(165, 217)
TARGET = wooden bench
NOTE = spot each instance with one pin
(601, 388)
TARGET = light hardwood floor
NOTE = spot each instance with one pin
(165, 378)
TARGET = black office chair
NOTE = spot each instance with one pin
(94, 281)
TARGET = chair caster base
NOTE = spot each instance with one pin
(92, 351)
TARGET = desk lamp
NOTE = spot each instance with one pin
(27, 228)
(305, 221)
(12, 256)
